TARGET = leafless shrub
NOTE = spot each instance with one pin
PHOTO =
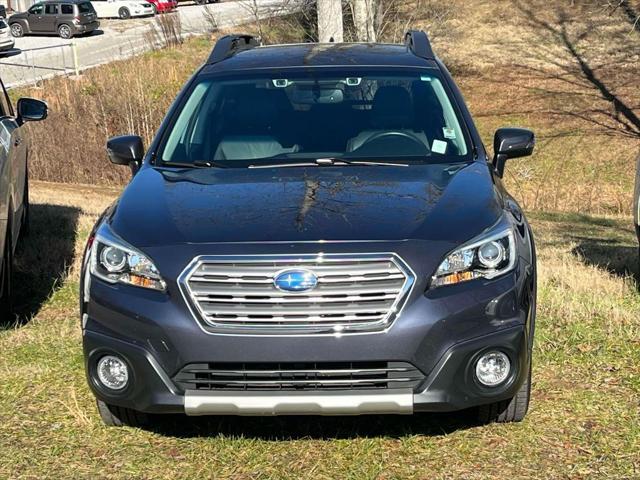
(166, 31)
(290, 20)
(210, 19)
(388, 20)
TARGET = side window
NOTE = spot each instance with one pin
(51, 9)
(5, 105)
(66, 9)
(37, 9)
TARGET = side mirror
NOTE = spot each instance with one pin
(31, 110)
(511, 143)
(126, 150)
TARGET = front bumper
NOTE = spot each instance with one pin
(440, 332)
(450, 385)
(6, 44)
(143, 12)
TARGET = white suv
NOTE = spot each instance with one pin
(122, 8)
(6, 40)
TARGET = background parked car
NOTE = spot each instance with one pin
(66, 18)
(164, 6)
(14, 184)
(6, 41)
(122, 8)
(202, 2)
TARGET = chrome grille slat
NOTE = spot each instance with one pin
(242, 270)
(236, 294)
(249, 290)
(298, 318)
(338, 279)
(299, 376)
(280, 310)
(297, 299)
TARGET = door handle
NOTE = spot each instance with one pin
(17, 142)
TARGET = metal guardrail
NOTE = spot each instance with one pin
(32, 63)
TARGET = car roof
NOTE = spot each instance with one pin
(321, 55)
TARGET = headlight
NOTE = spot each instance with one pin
(489, 256)
(115, 261)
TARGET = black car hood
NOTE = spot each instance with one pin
(450, 202)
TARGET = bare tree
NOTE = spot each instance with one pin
(364, 19)
(330, 25)
(254, 10)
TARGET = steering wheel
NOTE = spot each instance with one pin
(398, 135)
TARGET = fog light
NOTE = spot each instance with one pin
(493, 368)
(113, 372)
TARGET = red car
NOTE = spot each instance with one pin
(164, 6)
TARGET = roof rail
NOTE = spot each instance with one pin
(418, 42)
(229, 45)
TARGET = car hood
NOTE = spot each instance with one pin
(17, 16)
(440, 202)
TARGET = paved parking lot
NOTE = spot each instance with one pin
(116, 39)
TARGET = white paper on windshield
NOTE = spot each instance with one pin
(439, 147)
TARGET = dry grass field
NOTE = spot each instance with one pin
(567, 69)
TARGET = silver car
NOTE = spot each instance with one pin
(14, 185)
(6, 40)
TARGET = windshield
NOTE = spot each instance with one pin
(309, 116)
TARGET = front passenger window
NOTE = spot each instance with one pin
(37, 9)
(51, 9)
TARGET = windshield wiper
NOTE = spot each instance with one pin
(196, 164)
(341, 161)
(330, 162)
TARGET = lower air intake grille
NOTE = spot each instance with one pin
(299, 376)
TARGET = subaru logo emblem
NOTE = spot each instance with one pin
(295, 280)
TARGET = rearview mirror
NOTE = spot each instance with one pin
(31, 110)
(511, 143)
(126, 150)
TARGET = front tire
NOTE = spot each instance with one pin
(114, 416)
(6, 278)
(16, 30)
(64, 31)
(124, 13)
(507, 411)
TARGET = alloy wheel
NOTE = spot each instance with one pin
(64, 31)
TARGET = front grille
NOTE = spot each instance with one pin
(238, 294)
(299, 376)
